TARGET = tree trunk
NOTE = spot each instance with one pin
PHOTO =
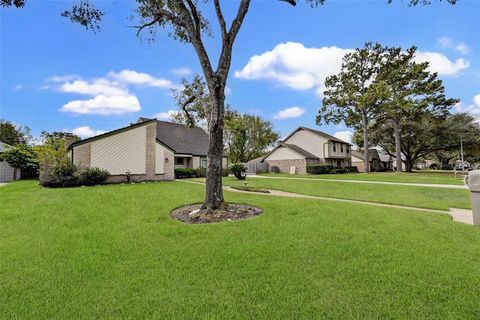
(214, 189)
(398, 146)
(409, 165)
(366, 161)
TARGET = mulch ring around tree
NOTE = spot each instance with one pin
(232, 211)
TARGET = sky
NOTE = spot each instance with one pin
(57, 76)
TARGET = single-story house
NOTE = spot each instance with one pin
(149, 150)
(374, 160)
(7, 172)
(305, 146)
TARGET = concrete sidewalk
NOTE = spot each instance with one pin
(458, 215)
(429, 185)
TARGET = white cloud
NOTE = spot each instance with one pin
(293, 112)
(293, 65)
(445, 42)
(165, 115)
(442, 64)
(346, 136)
(109, 94)
(140, 78)
(104, 105)
(95, 87)
(473, 109)
(462, 48)
(182, 71)
(64, 78)
(86, 132)
(451, 44)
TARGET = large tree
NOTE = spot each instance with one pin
(186, 22)
(410, 91)
(352, 95)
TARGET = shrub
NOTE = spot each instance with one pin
(339, 170)
(238, 170)
(63, 175)
(183, 173)
(351, 169)
(93, 176)
(274, 169)
(319, 168)
(201, 172)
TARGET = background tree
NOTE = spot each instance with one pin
(248, 137)
(193, 102)
(411, 91)
(423, 136)
(185, 21)
(352, 95)
(22, 157)
(13, 134)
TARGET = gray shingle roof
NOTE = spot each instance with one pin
(182, 139)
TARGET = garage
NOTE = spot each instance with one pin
(7, 172)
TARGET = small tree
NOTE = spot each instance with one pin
(13, 134)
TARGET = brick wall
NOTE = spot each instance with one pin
(284, 165)
(150, 151)
(169, 165)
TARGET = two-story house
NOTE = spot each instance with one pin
(306, 146)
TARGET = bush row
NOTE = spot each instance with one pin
(185, 173)
(70, 176)
(328, 168)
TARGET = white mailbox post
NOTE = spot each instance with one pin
(473, 183)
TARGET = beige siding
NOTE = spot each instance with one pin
(196, 162)
(355, 159)
(122, 152)
(159, 158)
(283, 153)
(308, 141)
(338, 153)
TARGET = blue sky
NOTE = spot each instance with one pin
(54, 75)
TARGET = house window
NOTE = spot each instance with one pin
(334, 147)
(348, 150)
(341, 148)
(178, 160)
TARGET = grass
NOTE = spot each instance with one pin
(422, 197)
(429, 177)
(113, 252)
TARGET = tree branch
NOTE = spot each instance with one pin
(221, 19)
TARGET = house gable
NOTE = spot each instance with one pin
(283, 153)
(309, 141)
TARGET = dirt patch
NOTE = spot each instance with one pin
(193, 214)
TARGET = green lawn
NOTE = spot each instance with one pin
(113, 252)
(429, 177)
(422, 197)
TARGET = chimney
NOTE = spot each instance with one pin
(69, 139)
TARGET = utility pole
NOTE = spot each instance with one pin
(461, 153)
